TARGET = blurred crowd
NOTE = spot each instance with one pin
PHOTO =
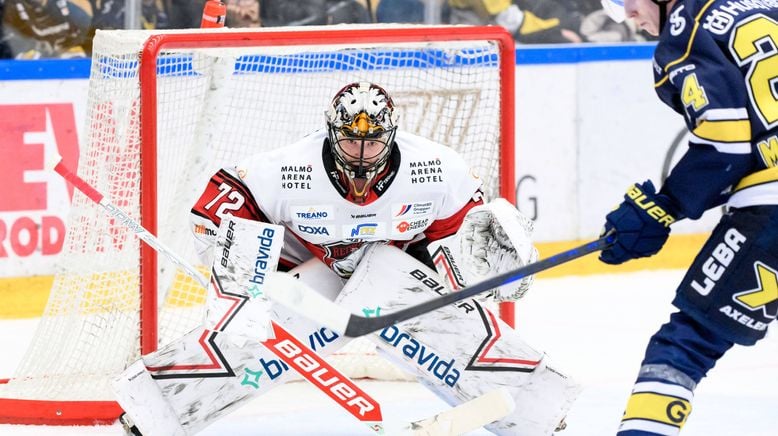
(33, 29)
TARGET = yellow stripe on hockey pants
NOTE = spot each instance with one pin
(655, 413)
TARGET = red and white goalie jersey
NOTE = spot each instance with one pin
(422, 195)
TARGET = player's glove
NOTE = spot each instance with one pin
(641, 224)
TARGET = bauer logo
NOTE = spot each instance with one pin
(312, 213)
(229, 239)
(318, 372)
(406, 210)
(421, 355)
(318, 340)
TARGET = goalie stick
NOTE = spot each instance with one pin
(301, 298)
(465, 417)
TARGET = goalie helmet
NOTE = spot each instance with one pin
(361, 125)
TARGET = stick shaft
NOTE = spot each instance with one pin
(359, 326)
(128, 222)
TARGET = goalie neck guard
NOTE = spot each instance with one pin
(361, 126)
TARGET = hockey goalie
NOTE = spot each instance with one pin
(375, 220)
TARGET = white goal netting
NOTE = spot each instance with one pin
(218, 100)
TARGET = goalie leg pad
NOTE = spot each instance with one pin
(195, 380)
(461, 351)
(141, 398)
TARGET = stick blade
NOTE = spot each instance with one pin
(288, 291)
(466, 417)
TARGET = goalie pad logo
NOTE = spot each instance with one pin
(487, 357)
(445, 264)
(422, 355)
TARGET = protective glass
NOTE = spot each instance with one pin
(614, 9)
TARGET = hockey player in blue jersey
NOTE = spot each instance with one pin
(716, 64)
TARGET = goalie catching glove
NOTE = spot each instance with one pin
(493, 238)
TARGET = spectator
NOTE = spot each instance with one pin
(242, 13)
(519, 18)
(596, 25)
(154, 15)
(312, 12)
(186, 14)
(347, 11)
(110, 14)
(402, 11)
(544, 21)
(5, 51)
(40, 28)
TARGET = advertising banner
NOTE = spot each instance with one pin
(39, 120)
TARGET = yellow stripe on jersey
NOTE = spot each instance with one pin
(688, 45)
(724, 130)
(658, 408)
(758, 178)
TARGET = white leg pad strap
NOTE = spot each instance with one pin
(140, 397)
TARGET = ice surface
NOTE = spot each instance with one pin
(594, 327)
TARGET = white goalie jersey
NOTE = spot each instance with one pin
(422, 195)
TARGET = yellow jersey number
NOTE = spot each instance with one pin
(692, 94)
(755, 42)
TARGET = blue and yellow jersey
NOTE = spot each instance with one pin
(717, 64)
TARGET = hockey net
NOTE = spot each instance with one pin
(165, 111)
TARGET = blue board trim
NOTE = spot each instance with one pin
(45, 69)
(574, 54)
(63, 69)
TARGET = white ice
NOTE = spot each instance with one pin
(593, 327)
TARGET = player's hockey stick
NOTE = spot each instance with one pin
(299, 297)
(465, 417)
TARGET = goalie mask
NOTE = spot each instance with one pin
(361, 125)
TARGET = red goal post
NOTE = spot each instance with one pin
(165, 110)
(330, 36)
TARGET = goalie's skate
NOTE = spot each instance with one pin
(129, 427)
